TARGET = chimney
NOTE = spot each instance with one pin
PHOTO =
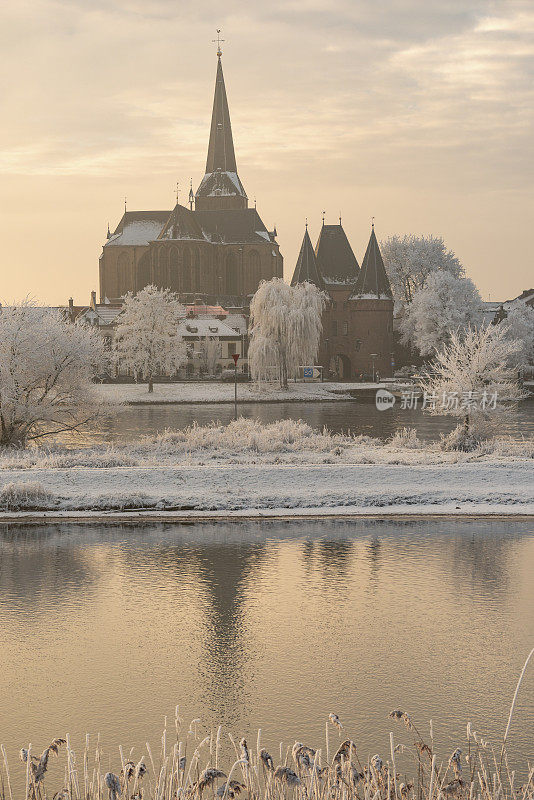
(93, 301)
(71, 307)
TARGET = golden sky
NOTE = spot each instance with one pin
(419, 112)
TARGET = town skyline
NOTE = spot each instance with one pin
(363, 126)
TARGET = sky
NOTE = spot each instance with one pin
(417, 112)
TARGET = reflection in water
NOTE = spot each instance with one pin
(271, 624)
(131, 422)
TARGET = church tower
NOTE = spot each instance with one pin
(220, 188)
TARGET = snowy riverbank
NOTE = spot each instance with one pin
(283, 468)
(217, 392)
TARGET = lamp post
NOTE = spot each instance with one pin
(373, 356)
(235, 356)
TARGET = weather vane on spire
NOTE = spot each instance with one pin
(177, 191)
(373, 223)
(218, 40)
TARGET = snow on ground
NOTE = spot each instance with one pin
(355, 488)
(218, 392)
(247, 467)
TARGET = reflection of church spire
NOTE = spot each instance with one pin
(225, 570)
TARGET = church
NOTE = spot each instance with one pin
(215, 251)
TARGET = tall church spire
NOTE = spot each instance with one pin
(221, 153)
(220, 188)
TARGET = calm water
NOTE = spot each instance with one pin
(131, 422)
(271, 624)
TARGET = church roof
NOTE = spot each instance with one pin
(336, 260)
(138, 228)
(181, 224)
(239, 226)
(221, 178)
(306, 268)
(373, 280)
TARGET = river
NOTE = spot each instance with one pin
(272, 624)
(131, 422)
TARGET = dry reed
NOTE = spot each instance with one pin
(302, 775)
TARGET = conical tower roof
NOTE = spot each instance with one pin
(221, 179)
(373, 280)
(336, 260)
(307, 268)
(221, 154)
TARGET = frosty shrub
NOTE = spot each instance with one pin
(406, 438)
(410, 260)
(146, 338)
(445, 304)
(46, 370)
(24, 496)
(473, 379)
(519, 323)
(285, 327)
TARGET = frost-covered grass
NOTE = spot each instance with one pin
(247, 466)
(247, 441)
(24, 496)
(217, 392)
(198, 762)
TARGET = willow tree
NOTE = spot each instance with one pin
(285, 329)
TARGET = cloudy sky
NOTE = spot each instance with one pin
(419, 112)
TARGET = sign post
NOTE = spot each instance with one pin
(235, 356)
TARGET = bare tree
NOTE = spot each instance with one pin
(210, 353)
(146, 339)
(46, 370)
(443, 305)
(474, 378)
(410, 260)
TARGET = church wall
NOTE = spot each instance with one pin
(119, 268)
(188, 267)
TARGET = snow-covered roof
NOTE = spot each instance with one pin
(138, 228)
(221, 184)
(237, 321)
(193, 328)
(104, 314)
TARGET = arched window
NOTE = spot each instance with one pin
(196, 272)
(163, 268)
(174, 269)
(186, 270)
(123, 264)
(143, 272)
(254, 270)
(232, 281)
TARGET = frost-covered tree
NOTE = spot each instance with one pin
(210, 353)
(285, 327)
(410, 260)
(445, 304)
(519, 323)
(146, 338)
(46, 370)
(473, 378)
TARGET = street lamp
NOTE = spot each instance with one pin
(235, 356)
(373, 356)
